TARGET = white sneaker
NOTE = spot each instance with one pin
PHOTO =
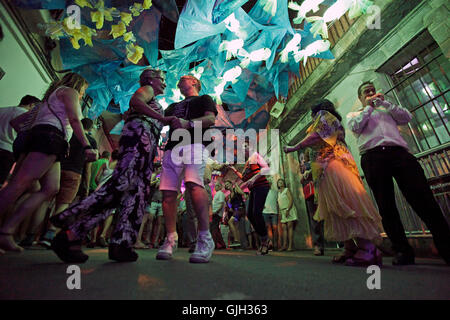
(167, 249)
(203, 250)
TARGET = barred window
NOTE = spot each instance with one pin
(418, 74)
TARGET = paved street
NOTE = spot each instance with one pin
(236, 275)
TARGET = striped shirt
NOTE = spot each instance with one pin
(252, 168)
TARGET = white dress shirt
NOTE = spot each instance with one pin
(218, 203)
(375, 127)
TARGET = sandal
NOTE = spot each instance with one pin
(364, 258)
(64, 249)
(343, 257)
(264, 249)
(140, 245)
(9, 244)
(318, 251)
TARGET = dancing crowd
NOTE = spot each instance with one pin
(57, 191)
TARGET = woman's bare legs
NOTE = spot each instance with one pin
(36, 166)
(285, 237)
(139, 244)
(290, 227)
(233, 229)
(106, 226)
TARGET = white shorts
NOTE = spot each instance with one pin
(188, 164)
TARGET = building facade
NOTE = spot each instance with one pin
(403, 47)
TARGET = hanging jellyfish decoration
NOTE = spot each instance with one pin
(336, 11)
(242, 56)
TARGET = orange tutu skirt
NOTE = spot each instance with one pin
(346, 208)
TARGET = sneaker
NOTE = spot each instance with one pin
(45, 243)
(235, 244)
(166, 250)
(203, 250)
(47, 239)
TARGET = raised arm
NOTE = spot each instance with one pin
(309, 140)
(357, 121)
(240, 176)
(400, 115)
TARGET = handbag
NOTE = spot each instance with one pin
(308, 190)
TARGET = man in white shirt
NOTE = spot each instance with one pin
(385, 156)
(8, 134)
(218, 205)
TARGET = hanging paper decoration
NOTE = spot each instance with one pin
(313, 49)
(83, 3)
(134, 53)
(224, 8)
(243, 59)
(359, 7)
(269, 6)
(304, 8)
(292, 46)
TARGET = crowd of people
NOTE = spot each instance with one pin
(61, 194)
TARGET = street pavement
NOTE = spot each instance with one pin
(231, 275)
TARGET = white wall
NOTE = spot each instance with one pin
(24, 74)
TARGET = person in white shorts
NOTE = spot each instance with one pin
(186, 160)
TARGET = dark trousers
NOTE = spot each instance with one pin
(215, 231)
(382, 164)
(316, 226)
(257, 200)
(6, 163)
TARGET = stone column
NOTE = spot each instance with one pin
(438, 24)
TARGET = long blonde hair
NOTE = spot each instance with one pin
(71, 80)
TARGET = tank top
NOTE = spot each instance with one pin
(107, 173)
(270, 206)
(283, 199)
(237, 201)
(252, 169)
(45, 116)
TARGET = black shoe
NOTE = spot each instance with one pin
(28, 241)
(58, 222)
(90, 245)
(121, 253)
(101, 242)
(61, 246)
(402, 259)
